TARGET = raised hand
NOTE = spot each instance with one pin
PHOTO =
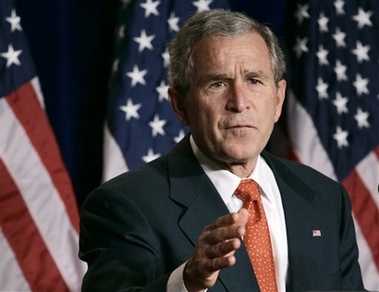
(215, 250)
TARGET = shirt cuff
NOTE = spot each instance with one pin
(175, 281)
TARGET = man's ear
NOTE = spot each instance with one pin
(178, 104)
(280, 96)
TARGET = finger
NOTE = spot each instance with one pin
(217, 264)
(222, 234)
(243, 216)
(226, 220)
(224, 249)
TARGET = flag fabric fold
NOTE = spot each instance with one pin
(39, 216)
(333, 109)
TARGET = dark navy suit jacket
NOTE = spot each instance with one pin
(140, 226)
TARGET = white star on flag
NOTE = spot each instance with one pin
(339, 4)
(14, 20)
(361, 52)
(322, 54)
(150, 156)
(162, 90)
(157, 126)
(12, 56)
(339, 37)
(137, 76)
(341, 103)
(361, 84)
(166, 58)
(321, 88)
(340, 71)
(150, 7)
(131, 110)
(323, 23)
(302, 12)
(363, 18)
(180, 136)
(361, 118)
(341, 137)
(144, 41)
(121, 32)
(116, 62)
(300, 46)
(202, 5)
(173, 22)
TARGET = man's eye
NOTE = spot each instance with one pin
(217, 84)
(255, 81)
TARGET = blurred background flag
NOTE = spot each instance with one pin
(333, 112)
(140, 123)
(38, 210)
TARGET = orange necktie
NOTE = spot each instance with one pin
(257, 236)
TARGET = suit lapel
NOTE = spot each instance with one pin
(298, 201)
(190, 187)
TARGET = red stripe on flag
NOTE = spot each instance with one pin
(376, 150)
(365, 211)
(26, 107)
(291, 154)
(24, 238)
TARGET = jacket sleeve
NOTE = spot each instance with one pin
(119, 246)
(350, 269)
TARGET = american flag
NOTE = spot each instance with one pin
(316, 233)
(140, 124)
(334, 107)
(38, 212)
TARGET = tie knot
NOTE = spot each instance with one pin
(247, 190)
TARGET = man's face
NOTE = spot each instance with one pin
(233, 102)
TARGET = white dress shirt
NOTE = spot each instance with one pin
(226, 183)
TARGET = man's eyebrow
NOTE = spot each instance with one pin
(217, 76)
(258, 73)
(226, 76)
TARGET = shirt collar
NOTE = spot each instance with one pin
(225, 181)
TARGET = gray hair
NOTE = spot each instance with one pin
(216, 23)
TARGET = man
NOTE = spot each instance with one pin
(177, 224)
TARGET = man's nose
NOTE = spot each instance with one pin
(238, 100)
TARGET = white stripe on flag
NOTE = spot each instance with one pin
(306, 143)
(44, 203)
(11, 275)
(37, 89)
(114, 162)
